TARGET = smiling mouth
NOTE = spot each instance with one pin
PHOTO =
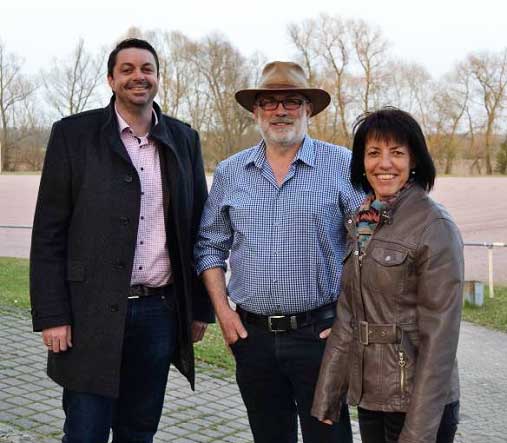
(385, 176)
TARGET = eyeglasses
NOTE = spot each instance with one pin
(289, 104)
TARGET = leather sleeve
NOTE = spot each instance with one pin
(439, 266)
(333, 378)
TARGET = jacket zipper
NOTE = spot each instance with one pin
(403, 363)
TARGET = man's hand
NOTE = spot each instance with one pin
(198, 330)
(325, 333)
(57, 339)
(231, 325)
(327, 421)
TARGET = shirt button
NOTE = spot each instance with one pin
(140, 268)
(356, 252)
(142, 217)
(142, 169)
(141, 243)
(128, 179)
(349, 221)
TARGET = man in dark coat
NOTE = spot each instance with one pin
(113, 286)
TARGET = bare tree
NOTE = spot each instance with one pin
(450, 102)
(224, 71)
(335, 50)
(71, 84)
(371, 52)
(14, 89)
(303, 36)
(489, 73)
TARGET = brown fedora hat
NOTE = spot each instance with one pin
(284, 77)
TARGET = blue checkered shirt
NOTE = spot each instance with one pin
(286, 243)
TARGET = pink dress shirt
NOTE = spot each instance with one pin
(152, 266)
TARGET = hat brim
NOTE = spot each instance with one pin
(319, 98)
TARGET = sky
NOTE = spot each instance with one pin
(434, 33)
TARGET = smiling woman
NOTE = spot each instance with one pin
(402, 275)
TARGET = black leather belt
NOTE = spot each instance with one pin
(284, 323)
(138, 291)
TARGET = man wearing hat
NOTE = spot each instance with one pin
(278, 209)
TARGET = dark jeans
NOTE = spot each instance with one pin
(276, 374)
(148, 347)
(385, 427)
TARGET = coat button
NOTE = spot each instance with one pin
(119, 265)
(114, 308)
(128, 179)
(124, 221)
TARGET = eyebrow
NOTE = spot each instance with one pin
(129, 64)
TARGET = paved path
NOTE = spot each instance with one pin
(30, 408)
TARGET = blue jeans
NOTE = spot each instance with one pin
(148, 347)
(276, 375)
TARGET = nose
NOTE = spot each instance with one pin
(138, 74)
(385, 160)
(280, 110)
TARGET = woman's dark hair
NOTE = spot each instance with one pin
(130, 43)
(391, 125)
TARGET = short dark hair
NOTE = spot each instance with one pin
(130, 43)
(391, 124)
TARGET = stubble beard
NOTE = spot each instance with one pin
(291, 136)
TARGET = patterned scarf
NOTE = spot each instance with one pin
(368, 215)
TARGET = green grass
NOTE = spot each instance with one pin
(212, 350)
(493, 314)
(14, 292)
(14, 282)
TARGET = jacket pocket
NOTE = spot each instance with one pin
(389, 257)
(76, 271)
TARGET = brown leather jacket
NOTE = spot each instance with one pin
(393, 344)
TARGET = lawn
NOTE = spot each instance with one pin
(14, 292)
(493, 314)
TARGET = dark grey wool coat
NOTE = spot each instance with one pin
(84, 238)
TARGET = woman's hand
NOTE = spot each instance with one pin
(327, 421)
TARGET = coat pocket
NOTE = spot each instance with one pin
(76, 271)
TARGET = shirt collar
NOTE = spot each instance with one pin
(306, 153)
(122, 124)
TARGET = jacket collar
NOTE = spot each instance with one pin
(160, 131)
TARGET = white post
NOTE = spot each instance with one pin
(490, 271)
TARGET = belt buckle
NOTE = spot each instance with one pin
(270, 327)
(363, 330)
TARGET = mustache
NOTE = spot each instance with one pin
(282, 120)
(137, 83)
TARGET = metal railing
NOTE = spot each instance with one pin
(489, 245)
